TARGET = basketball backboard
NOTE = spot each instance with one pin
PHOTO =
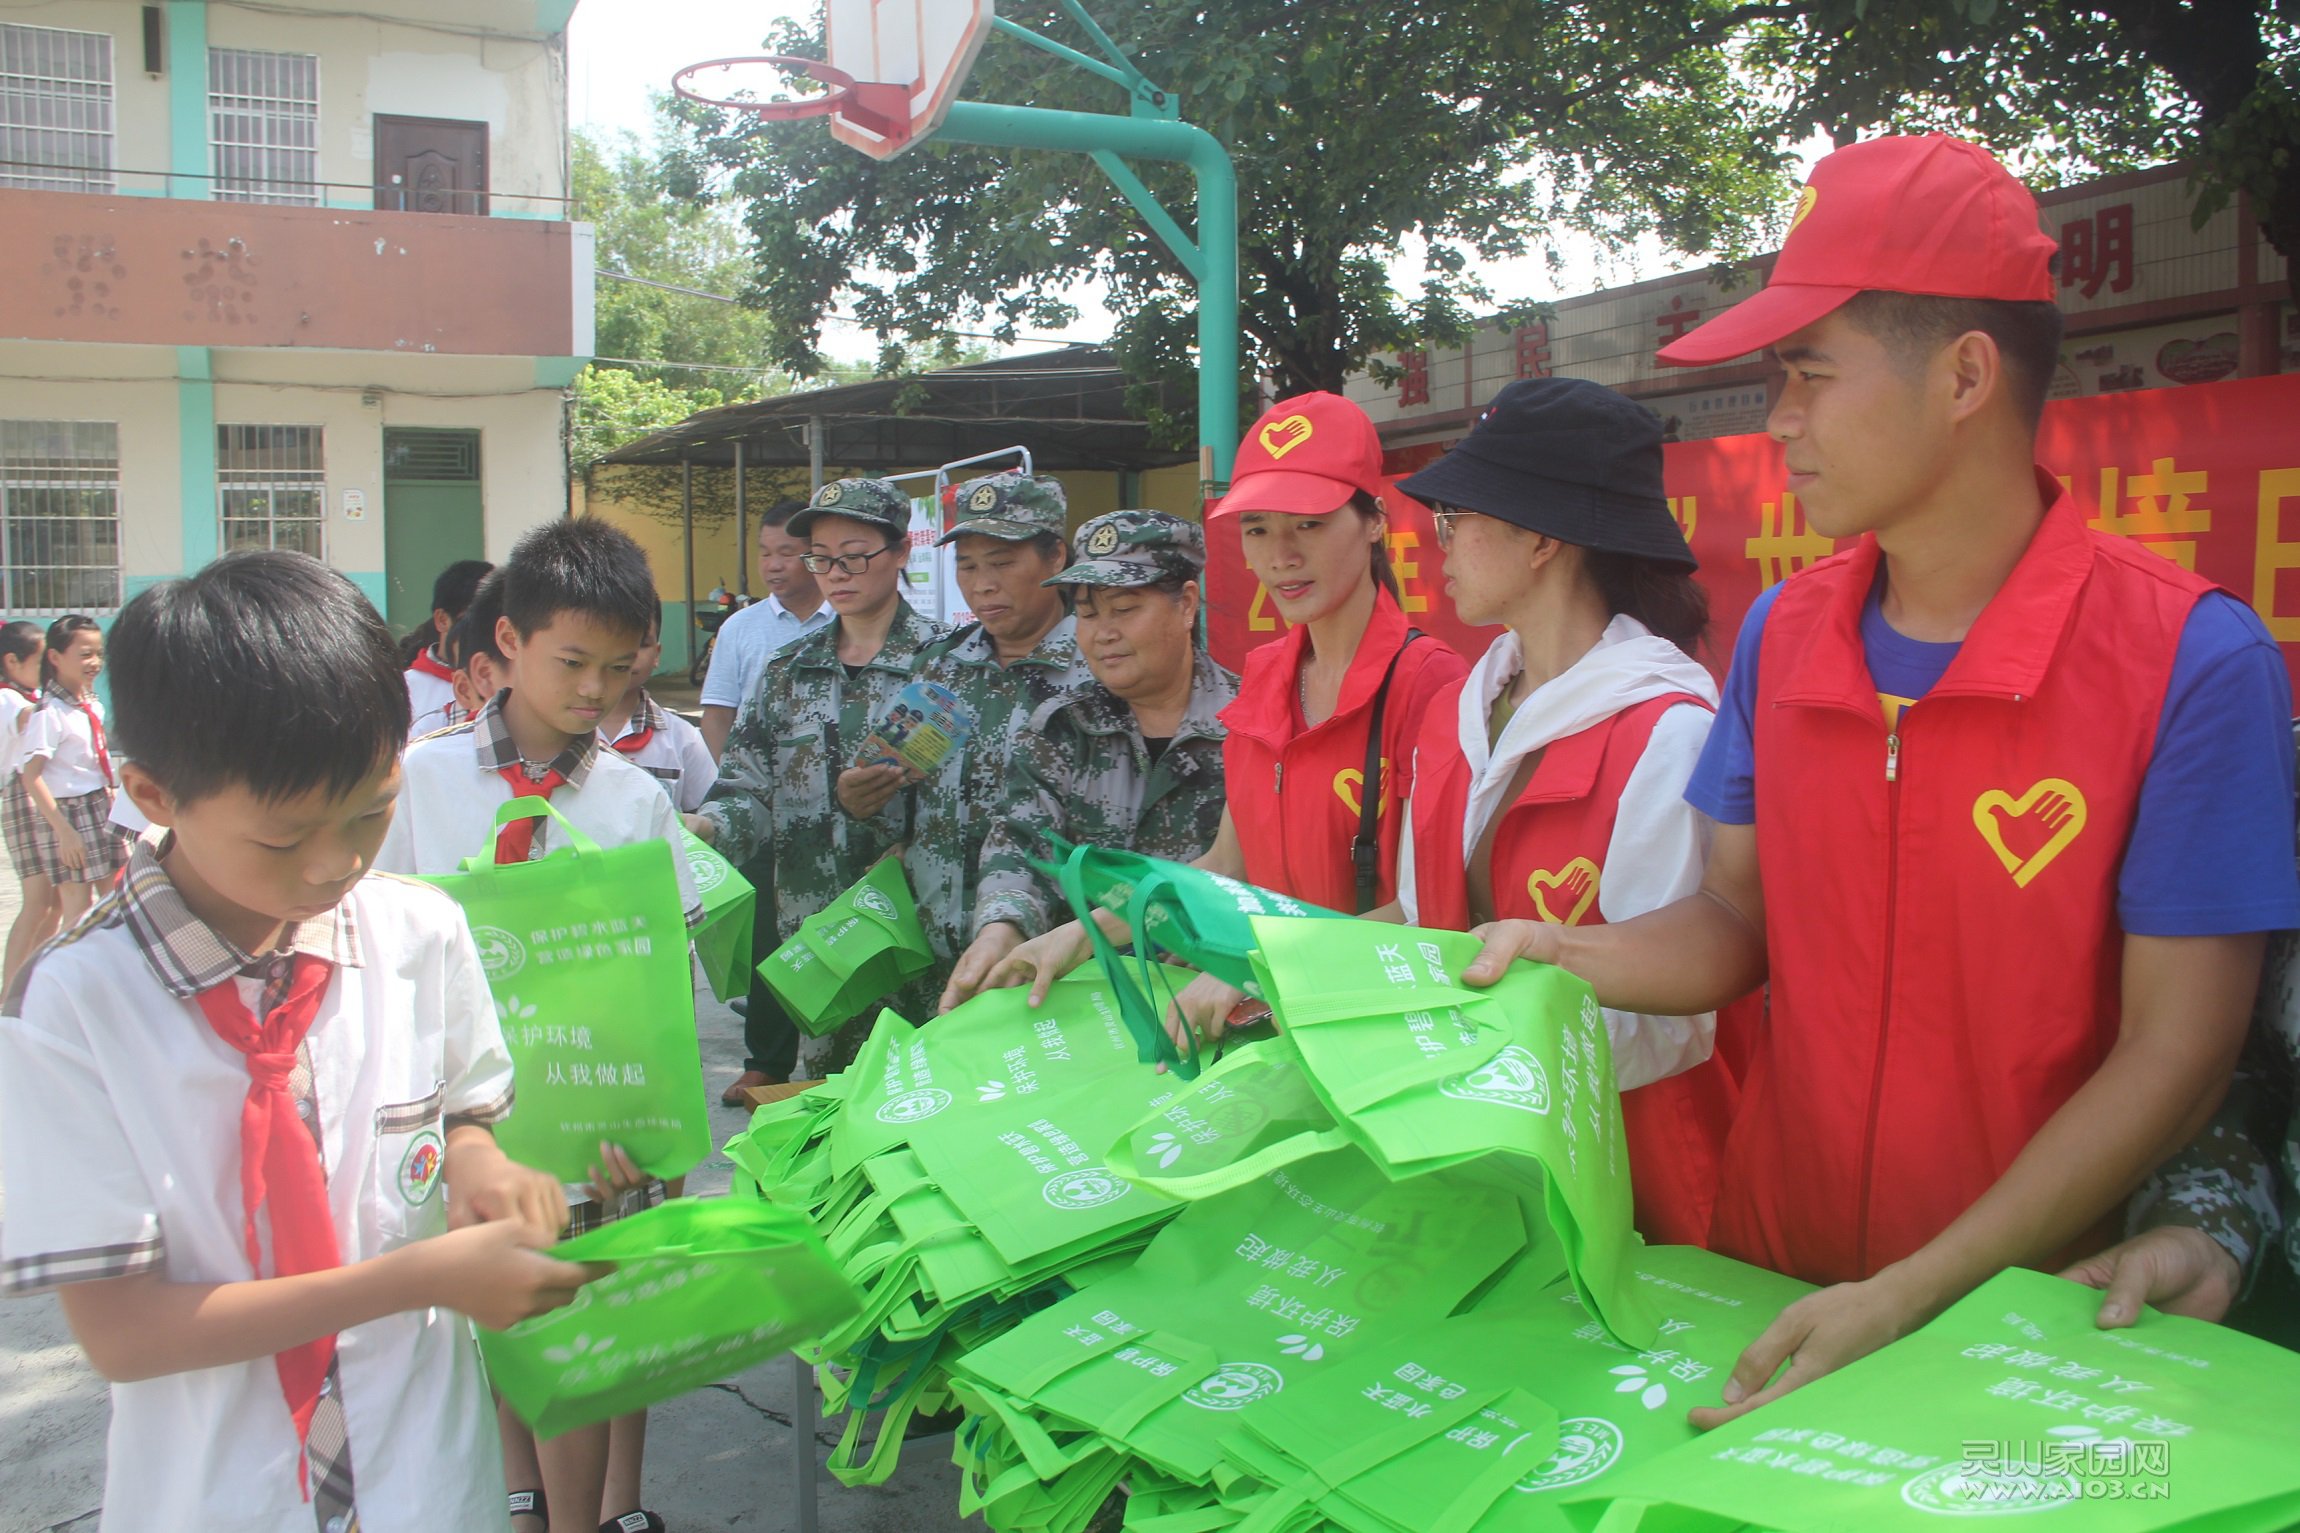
(926, 46)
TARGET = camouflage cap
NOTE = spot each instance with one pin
(1012, 507)
(1135, 548)
(866, 500)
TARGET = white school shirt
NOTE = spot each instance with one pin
(675, 756)
(15, 711)
(448, 799)
(428, 697)
(1660, 843)
(59, 733)
(120, 1135)
(746, 642)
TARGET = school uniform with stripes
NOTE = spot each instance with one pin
(68, 734)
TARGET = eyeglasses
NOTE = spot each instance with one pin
(1445, 517)
(845, 564)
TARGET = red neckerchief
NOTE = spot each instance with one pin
(280, 1168)
(87, 709)
(516, 841)
(429, 664)
(631, 745)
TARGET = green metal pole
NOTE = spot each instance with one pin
(1213, 260)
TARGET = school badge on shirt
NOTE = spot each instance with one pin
(419, 1169)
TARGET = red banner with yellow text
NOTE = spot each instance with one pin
(2208, 476)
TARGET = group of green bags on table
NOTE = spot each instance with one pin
(1373, 1272)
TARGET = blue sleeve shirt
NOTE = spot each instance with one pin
(2212, 839)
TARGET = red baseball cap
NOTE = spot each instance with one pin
(1305, 457)
(1932, 215)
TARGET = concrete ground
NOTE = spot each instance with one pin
(719, 1458)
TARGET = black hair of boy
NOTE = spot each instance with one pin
(451, 592)
(267, 670)
(477, 625)
(584, 566)
(781, 512)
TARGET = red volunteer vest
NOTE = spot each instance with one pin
(1941, 901)
(1548, 863)
(1300, 845)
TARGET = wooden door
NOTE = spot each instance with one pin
(430, 165)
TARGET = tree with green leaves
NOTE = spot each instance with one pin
(1364, 135)
(1380, 136)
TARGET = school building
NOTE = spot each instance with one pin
(2153, 301)
(294, 274)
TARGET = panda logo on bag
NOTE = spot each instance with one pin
(1088, 1187)
(706, 868)
(912, 1106)
(1234, 1386)
(876, 902)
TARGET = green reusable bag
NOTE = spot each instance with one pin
(1529, 1345)
(1424, 1072)
(2012, 1403)
(1201, 918)
(586, 954)
(723, 936)
(855, 950)
(1272, 1285)
(702, 1288)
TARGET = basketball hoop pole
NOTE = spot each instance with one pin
(1211, 259)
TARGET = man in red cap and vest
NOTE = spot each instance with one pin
(2004, 803)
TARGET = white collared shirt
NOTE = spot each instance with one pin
(59, 733)
(674, 755)
(430, 702)
(746, 642)
(448, 801)
(15, 712)
(120, 1132)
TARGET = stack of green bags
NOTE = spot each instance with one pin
(955, 1174)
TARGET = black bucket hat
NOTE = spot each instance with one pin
(1564, 457)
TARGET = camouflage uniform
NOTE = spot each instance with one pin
(956, 809)
(776, 797)
(1080, 766)
(2234, 1180)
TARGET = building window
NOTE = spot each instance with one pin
(59, 517)
(271, 488)
(55, 109)
(263, 121)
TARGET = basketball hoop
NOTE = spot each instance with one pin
(883, 109)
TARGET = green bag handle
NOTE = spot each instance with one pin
(1204, 1184)
(895, 1417)
(1356, 1005)
(533, 807)
(1151, 1045)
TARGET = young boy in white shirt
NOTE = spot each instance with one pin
(577, 601)
(657, 741)
(430, 670)
(256, 1251)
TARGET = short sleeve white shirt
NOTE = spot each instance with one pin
(669, 749)
(15, 712)
(59, 733)
(120, 1135)
(430, 700)
(449, 797)
(746, 642)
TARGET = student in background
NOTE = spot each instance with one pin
(657, 741)
(66, 769)
(22, 648)
(792, 608)
(577, 600)
(261, 1259)
(430, 673)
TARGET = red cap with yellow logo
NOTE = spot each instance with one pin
(1933, 215)
(1305, 457)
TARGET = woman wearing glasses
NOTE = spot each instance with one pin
(788, 793)
(1550, 784)
(1320, 751)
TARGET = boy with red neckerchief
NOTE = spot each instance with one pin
(2004, 803)
(261, 1257)
(431, 699)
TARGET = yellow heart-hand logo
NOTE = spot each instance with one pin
(1805, 201)
(1573, 886)
(1281, 437)
(1349, 787)
(2059, 807)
